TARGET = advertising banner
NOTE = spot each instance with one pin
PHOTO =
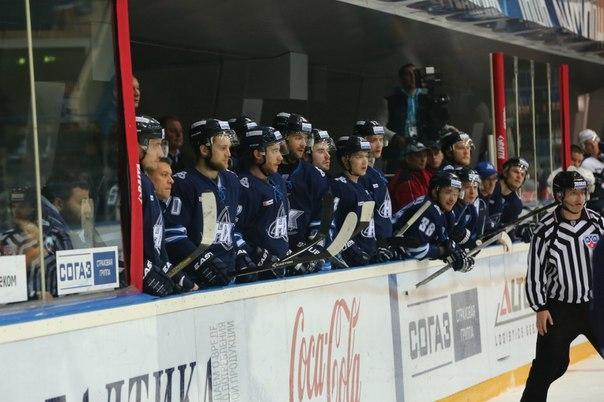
(87, 269)
(13, 279)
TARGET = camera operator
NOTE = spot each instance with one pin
(415, 110)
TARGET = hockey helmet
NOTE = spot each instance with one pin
(203, 131)
(319, 136)
(263, 136)
(568, 180)
(240, 125)
(467, 175)
(288, 123)
(451, 137)
(349, 145)
(442, 179)
(147, 128)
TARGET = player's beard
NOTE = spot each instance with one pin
(213, 165)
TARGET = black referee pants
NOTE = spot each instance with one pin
(552, 355)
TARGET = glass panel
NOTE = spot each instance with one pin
(19, 229)
(542, 126)
(73, 47)
(511, 98)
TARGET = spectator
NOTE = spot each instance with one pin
(435, 156)
(411, 180)
(161, 177)
(67, 193)
(174, 134)
(590, 141)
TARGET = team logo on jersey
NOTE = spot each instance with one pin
(278, 229)
(224, 227)
(158, 233)
(181, 175)
(385, 210)
(294, 214)
(245, 182)
(591, 240)
(369, 230)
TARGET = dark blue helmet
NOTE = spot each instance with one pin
(349, 145)
(203, 131)
(263, 136)
(366, 128)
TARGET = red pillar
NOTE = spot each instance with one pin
(134, 253)
(565, 114)
(498, 100)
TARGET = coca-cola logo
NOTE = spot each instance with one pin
(325, 364)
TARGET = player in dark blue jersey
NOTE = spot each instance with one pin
(353, 156)
(376, 183)
(297, 132)
(429, 236)
(457, 148)
(505, 204)
(211, 139)
(240, 125)
(263, 204)
(471, 212)
(151, 147)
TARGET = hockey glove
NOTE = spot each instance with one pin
(353, 255)
(459, 259)
(459, 234)
(525, 231)
(384, 254)
(211, 271)
(244, 263)
(264, 259)
(156, 282)
(184, 283)
(305, 268)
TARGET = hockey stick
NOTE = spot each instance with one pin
(87, 221)
(208, 208)
(397, 238)
(315, 251)
(521, 219)
(448, 266)
(490, 239)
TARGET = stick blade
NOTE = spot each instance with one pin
(209, 213)
(346, 231)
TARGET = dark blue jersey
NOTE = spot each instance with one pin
(473, 218)
(503, 209)
(184, 217)
(376, 183)
(264, 210)
(154, 250)
(428, 231)
(350, 198)
(306, 185)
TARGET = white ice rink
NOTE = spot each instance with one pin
(583, 382)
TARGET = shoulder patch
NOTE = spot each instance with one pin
(180, 175)
(341, 179)
(245, 182)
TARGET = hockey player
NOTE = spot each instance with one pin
(376, 184)
(505, 204)
(353, 156)
(321, 147)
(211, 140)
(263, 203)
(457, 148)
(429, 236)
(559, 282)
(297, 132)
(151, 147)
(471, 212)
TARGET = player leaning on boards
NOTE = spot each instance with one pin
(559, 282)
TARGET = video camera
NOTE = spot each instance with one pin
(429, 80)
(434, 101)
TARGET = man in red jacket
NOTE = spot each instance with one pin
(411, 180)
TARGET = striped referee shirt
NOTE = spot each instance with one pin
(559, 259)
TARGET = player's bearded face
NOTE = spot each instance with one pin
(296, 143)
(273, 158)
(447, 197)
(574, 200)
(321, 157)
(461, 153)
(358, 163)
(221, 153)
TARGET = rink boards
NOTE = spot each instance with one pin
(342, 336)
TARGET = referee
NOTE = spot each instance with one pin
(559, 282)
